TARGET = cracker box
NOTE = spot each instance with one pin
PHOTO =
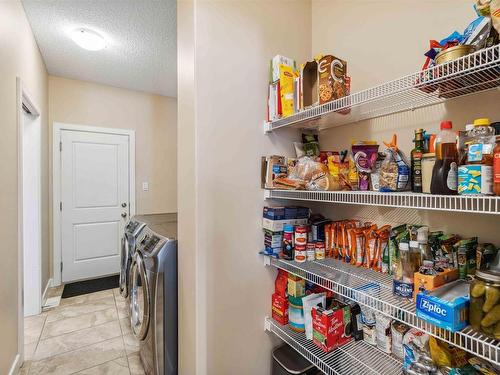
(332, 73)
(287, 78)
(274, 69)
(332, 327)
(280, 309)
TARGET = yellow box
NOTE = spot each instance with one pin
(296, 286)
(431, 282)
(286, 90)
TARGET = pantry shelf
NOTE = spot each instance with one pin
(474, 73)
(373, 289)
(357, 357)
(457, 203)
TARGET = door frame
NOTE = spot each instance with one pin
(56, 183)
(23, 97)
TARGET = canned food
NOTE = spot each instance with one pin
(301, 234)
(320, 250)
(311, 251)
(300, 253)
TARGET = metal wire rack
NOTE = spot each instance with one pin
(356, 357)
(477, 72)
(373, 289)
(456, 203)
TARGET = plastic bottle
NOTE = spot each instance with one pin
(444, 174)
(416, 161)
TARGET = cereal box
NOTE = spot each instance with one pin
(332, 73)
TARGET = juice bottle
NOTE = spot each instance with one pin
(416, 162)
(445, 172)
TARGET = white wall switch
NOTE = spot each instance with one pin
(145, 186)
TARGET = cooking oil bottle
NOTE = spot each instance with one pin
(445, 172)
(416, 161)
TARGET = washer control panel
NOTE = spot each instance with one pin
(149, 241)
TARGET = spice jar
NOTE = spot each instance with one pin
(484, 308)
(428, 161)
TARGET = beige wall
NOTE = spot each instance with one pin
(232, 44)
(362, 35)
(154, 119)
(19, 56)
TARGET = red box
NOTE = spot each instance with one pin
(332, 327)
(280, 309)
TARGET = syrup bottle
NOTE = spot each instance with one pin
(445, 172)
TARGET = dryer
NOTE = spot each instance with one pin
(132, 231)
(153, 299)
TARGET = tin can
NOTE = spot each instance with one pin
(301, 234)
(320, 250)
(300, 253)
(311, 251)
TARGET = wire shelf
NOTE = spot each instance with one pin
(455, 203)
(474, 73)
(356, 357)
(350, 282)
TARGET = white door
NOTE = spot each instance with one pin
(32, 224)
(95, 202)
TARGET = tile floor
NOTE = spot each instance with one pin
(88, 334)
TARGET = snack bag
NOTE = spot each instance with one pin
(395, 170)
(365, 154)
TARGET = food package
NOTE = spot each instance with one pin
(368, 292)
(384, 336)
(395, 170)
(280, 309)
(447, 306)
(343, 171)
(332, 73)
(375, 174)
(332, 326)
(306, 168)
(485, 256)
(310, 144)
(280, 284)
(484, 367)
(275, 64)
(416, 349)
(296, 314)
(466, 255)
(296, 286)
(398, 331)
(447, 355)
(323, 181)
(365, 155)
(309, 302)
(495, 14)
(286, 90)
(309, 83)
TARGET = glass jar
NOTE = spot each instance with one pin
(484, 308)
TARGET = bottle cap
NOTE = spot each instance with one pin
(288, 228)
(446, 125)
(482, 122)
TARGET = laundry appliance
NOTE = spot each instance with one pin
(129, 240)
(153, 298)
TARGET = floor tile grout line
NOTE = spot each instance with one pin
(83, 302)
(68, 317)
(85, 369)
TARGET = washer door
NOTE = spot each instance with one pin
(139, 298)
(124, 268)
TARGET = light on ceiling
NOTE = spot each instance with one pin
(88, 39)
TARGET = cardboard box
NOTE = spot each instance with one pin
(274, 213)
(280, 309)
(431, 282)
(272, 167)
(286, 86)
(274, 69)
(277, 225)
(309, 84)
(296, 286)
(447, 306)
(332, 327)
(332, 73)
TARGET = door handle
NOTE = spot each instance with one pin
(124, 205)
(124, 214)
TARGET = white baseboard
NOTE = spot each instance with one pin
(16, 365)
(44, 295)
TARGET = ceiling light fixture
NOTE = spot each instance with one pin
(88, 39)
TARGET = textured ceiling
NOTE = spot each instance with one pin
(141, 52)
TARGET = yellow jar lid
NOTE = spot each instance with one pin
(482, 122)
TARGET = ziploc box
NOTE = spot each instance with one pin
(331, 327)
(447, 306)
(274, 213)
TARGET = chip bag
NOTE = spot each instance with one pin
(395, 170)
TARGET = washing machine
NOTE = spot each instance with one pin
(153, 299)
(132, 231)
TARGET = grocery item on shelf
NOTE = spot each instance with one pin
(288, 243)
(275, 66)
(395, 170)
(447, 306)
(296, 286)
(466, 253)
(485, 303)
(486, 255)
(445, 355)
(332, 73)
(476, 176)
(286, 90)
(365, 154)
(309, 302)
(430, 278)
(398, 331)
(416, 352)
(280, 308)
(331, 326)
(444, 174)
(296, 314)
(416, 156)
(427, 163)
(496, 158)
(356, 323)
(383, 333)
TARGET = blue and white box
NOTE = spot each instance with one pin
(447, 306)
